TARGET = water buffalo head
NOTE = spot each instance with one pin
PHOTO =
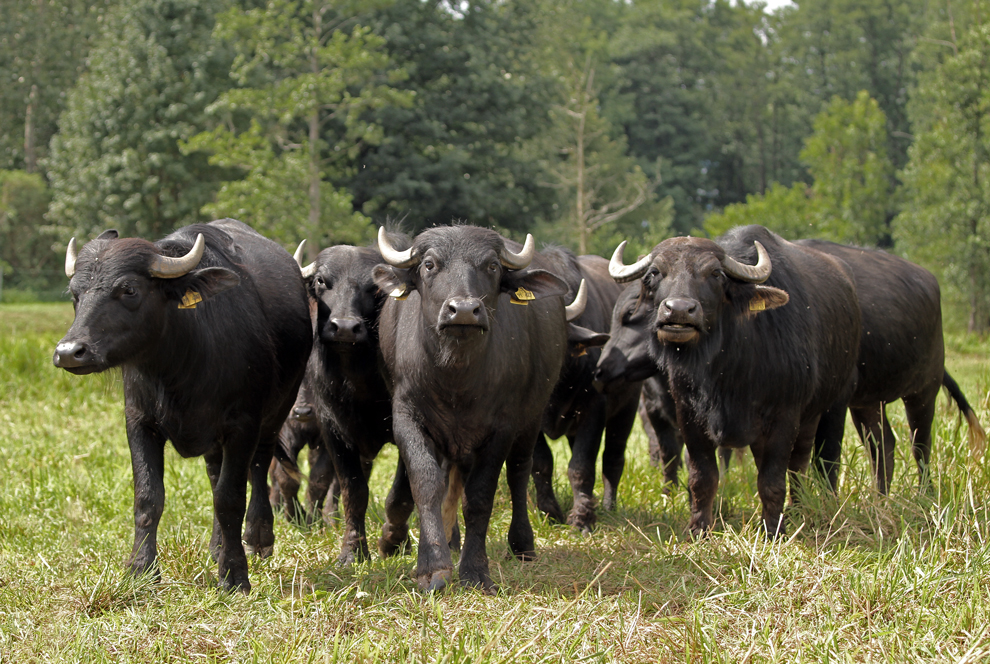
(626, 357)
(121, 290)
(459, 273)
(348, 300)
(690, 281)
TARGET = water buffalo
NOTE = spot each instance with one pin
(353, 403)
(901, 356)
(211, 330)
(576, 409)
(753, 353)
(473, 336)
(626, 359)
(301, 430)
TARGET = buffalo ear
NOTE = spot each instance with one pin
(394, 281)
(580, 339)
(539, 283)
(767, 297)
(108, 235)
(200, 285)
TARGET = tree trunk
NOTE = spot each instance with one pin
(30, 156)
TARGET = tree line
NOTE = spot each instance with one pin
(583, 121)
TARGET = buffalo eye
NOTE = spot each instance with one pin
(428, 264)
(493, 267)
(320, 281)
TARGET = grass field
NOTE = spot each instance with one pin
(858, 578)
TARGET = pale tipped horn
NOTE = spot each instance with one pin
(70, 258)
(754, 274)
(523, 258)
(622, 272)
(309, 270)
(165, 267)
(576, 308)
(392, 256)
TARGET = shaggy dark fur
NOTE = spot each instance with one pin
(217, 380)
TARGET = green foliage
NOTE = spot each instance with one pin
(31, 269)
(458, 152)
(584, 159)
(116, 160)
(850, 200)
(847, 157)
(305, 82)
(789, 211)
(945, 222)
(43, 49)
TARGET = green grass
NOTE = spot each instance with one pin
(858, 578)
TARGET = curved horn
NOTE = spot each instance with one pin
(754, 274)
(622, 272)
(523, 258)
(576, 307)
(393, 257)
(70, 258)
(165, 267)
(309, 270)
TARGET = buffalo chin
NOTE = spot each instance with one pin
(85, 369)
(463, 332)
(677, 334)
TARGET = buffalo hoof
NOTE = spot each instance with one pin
(435, 582)
(236, 582)
(262, 552)
(394, 541)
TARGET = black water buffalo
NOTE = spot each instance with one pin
(301, 430)
(625, 358)
(576, 409)
(753, 354)
(352, 400)
(473, 336)
(211, 330)
(901, 356)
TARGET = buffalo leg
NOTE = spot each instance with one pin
(800, 457)
(581, 469)
(398, 506)
(284, 490)
(920, 412)
(479, 496)
(428, 480)
(773, 458)
(702, 475)
(259, 526)
(669, 446)
(614, 455)
(652, 442)
(827, 453)
(878, 438)
(546, 500)
(321, 477)
(148, 467)
(354, 496)
(229, 502)
(214, 462)
(517, 470)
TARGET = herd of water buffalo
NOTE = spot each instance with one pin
(466, 350)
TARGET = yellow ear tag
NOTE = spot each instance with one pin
(190, 300)
(522, 296)
(583, 351)
(757, 304)
(399, 293)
